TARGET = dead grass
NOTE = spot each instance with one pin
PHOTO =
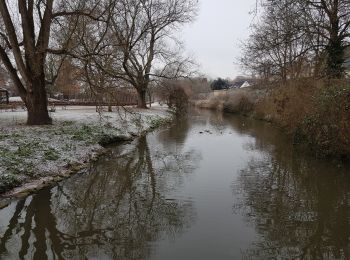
(231, 101)
(314, 112)
(242, 102)
(213, 103)
(287, 104)
(326, 127)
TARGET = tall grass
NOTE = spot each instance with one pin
(288, 103)
(232, 101)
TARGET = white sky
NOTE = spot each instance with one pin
(215, 36)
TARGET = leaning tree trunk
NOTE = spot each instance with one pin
(36, 103)
(141, 102)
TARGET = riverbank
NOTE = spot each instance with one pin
(32, 157)
(315, 113)
(239, 183)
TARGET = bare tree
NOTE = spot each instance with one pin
(144, 33)
(25, 45)
(133, 45)
(277, 46)
(29, 73)
(317, 32)
(330, 19)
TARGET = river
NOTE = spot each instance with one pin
(211, 186)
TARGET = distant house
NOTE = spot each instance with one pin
(237, 85)
(245, 84)
(241, 84)
(242, 81)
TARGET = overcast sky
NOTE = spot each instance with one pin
(215, 36)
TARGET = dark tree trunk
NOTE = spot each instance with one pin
(284, 74)
(36, 103)
(29, 74)
(335, 59)
(150, 98)
(141, 102)
(335, 48)
(7, 98)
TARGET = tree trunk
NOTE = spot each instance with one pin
(7, 98)
(335, 59)
(141, 102)
(36, 103)
(150, 98)
(335, 48)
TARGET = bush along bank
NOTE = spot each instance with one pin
(34, 157)
(315, 113)
(326, 129)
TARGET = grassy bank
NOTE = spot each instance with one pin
(32, 157)
(314, 113)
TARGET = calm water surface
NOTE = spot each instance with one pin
(209, 187)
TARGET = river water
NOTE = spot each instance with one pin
(209, 187)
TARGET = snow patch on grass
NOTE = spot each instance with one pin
(28, 153)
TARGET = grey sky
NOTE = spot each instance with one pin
(215, 36)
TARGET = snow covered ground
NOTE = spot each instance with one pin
(28, 153)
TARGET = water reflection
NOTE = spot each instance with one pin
(115, 211)
(141, 200)
(298, 205)
(176, 135)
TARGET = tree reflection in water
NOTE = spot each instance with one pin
(136, 197)
(115, 211)
(299, 206)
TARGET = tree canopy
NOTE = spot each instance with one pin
(220, 84)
